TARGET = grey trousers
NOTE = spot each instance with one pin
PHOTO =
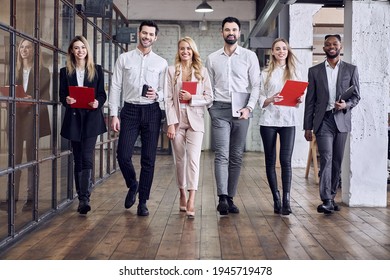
(228, 135)
(331, 143)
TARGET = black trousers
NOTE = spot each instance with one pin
(144, 121)
(83, 153)
(287, 138)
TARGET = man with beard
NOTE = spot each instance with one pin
(141, 115)
(328, 116)
(232, 69)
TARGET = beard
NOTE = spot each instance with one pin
(331, 56)
(146, 44)
(231, 41)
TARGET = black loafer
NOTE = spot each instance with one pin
(232, 207)
(326, 207)
(131, 197)
(223, 206)
(336, 207)
(142, 210)
(84, 207)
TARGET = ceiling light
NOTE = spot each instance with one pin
(204, 8)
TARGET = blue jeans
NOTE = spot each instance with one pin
(229, 136)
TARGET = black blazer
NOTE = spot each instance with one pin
(83, 123)
(24, 114)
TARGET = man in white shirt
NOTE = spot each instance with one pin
(232, 69)
(141, 114)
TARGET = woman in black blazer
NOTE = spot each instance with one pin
(82, 126)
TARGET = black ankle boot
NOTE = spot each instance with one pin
(277, 203)
(85, 191)
(286, 209)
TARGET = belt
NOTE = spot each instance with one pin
(329, 112)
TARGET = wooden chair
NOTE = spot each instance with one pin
(312, 159)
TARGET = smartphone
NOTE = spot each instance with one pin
(145, 89)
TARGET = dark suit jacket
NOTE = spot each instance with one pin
(317, 96)
(83, 123)
(25, 113)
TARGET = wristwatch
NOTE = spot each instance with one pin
(249, 108)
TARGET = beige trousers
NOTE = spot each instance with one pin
(187, 146)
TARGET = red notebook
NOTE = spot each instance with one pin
(83, 96)
(291, 91)
(190, 87)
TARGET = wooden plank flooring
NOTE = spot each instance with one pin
(110, 231)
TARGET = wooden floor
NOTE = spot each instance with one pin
(110, 231)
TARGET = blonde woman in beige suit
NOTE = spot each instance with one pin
(185, 118)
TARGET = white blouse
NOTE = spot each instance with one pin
(80, 77)
(276, 115)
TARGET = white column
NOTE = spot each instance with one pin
(301, 41)
(366, 44)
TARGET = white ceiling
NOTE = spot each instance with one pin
(185, 9)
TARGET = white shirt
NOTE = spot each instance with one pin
(239, 72)
(332, 74)
(132, 70)
(276, 115)
(26, 74)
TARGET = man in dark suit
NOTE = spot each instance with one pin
(329, 117)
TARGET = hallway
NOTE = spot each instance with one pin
(110, 232)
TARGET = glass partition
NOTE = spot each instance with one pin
(66, 25)
(47, 21)
(4, 93)
(25, 16)
(46, 108)
(3, 207)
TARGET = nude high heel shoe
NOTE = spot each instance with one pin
(183, 203)
(190, 206)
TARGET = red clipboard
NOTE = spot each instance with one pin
(19, 91)
(291, 91)
(83, 96)
(190, 87)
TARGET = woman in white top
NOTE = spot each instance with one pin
(277, 119)
(185, 118)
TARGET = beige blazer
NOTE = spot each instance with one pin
(196, 107)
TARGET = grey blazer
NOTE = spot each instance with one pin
(317, 96)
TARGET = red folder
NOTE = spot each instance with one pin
(291, 91)
(19, 91)
(83, 96)
(190, 87)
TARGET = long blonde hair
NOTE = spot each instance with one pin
(289, 71)
(196, 61)
(19, 59)
(71, 60)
